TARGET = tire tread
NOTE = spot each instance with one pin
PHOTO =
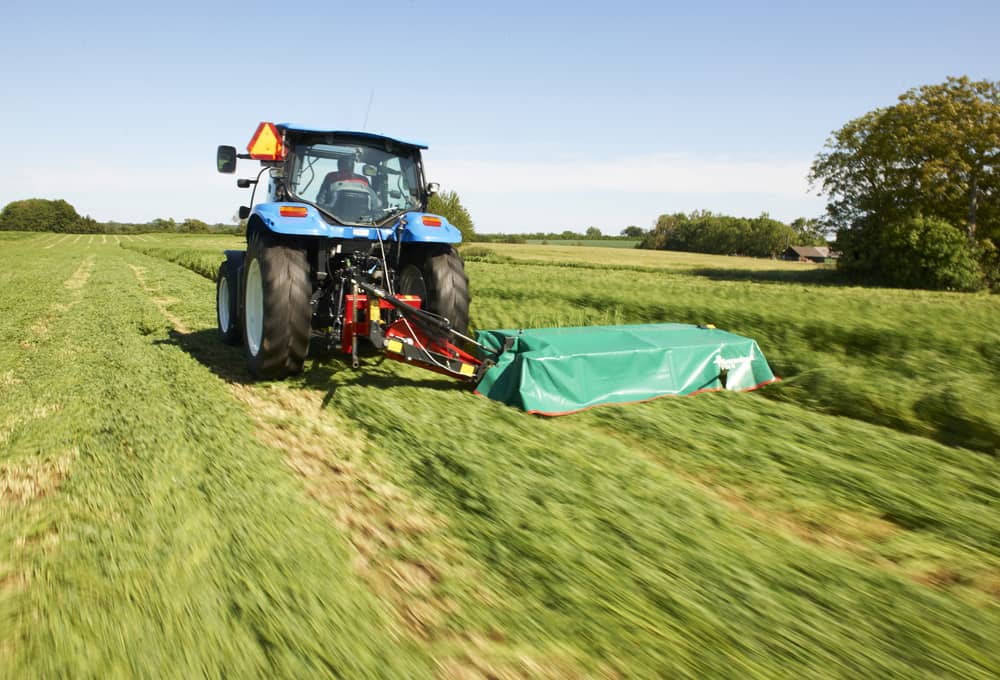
(284, 343)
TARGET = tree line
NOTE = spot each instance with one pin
(698, 232)
(708, 232)
(40, 214)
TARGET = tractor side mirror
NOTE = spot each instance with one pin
(244, 212)
(225, 159)
(433, 188)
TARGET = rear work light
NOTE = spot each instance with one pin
(431, 221)
(293, 211)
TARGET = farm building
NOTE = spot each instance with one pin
(819, 254)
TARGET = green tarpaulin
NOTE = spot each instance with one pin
(553, 371)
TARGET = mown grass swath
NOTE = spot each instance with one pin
(161, 537)
(388, 522)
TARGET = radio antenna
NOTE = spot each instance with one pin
(364, 127)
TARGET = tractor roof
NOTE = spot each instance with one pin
(298, 129)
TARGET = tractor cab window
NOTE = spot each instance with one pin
(355, 184)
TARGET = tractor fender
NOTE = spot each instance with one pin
(309, 224)
(433, 229)
(415, 227)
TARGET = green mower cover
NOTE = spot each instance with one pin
(555, 371)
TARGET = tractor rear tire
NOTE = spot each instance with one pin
(438, 276)
(226, 313)
(276, 314)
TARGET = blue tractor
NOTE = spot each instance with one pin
(341, 253)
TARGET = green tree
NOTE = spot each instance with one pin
(808, 232)
(193, 226)
(161, 224)
(593, 233)
(706, 232)
(663, 232)
(924, 252)
(936, 153)
(89, 225)
(40, 214)
(633, 231)
(766, 237)
(448, 205)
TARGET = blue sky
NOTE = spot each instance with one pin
(543, 116)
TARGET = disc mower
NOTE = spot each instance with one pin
(342, 255)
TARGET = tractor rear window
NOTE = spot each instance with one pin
(355, 183)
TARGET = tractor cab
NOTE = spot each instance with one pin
(356, 181)
(351, 178)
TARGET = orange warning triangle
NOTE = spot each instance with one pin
(266, 144)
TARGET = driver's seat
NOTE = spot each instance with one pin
(350, 203)
(325, 194)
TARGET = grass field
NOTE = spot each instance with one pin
(161, 514)
(642, 260)
(595, 243)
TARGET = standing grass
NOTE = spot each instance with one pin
(914, 361)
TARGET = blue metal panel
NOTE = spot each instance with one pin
(416, 232)
(292, 127)
(312, 224)
(413, 228)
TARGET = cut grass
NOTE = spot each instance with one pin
(172, 543)
(716, 535)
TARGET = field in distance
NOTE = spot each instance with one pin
(164, 514)
(621, 256)
(595, 242)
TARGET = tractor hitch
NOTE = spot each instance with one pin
(416, 336)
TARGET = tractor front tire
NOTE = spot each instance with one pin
(438, 276)
(226, 291)
(276, 313)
